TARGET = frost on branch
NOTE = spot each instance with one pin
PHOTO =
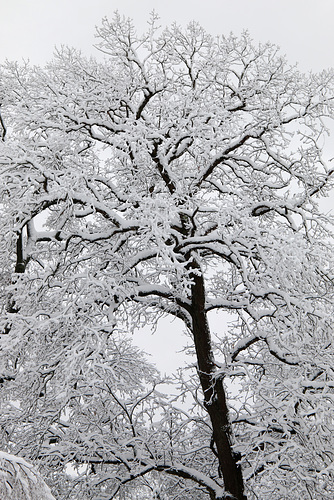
(180, 177)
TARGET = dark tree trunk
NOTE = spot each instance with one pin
(214, 392)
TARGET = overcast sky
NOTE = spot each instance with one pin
(302, 28)
(30, 29)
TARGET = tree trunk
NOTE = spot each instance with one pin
(214, 392)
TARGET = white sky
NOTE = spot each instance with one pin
(302, 28)
(30, 29)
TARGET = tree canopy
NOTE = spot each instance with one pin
(180, 176)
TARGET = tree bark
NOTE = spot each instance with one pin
(214, 391)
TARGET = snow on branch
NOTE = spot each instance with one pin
(19, 480)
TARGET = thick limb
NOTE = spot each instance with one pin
(214, 393)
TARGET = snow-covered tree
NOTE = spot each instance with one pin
(179, 176)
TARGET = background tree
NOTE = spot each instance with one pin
(180, 176)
